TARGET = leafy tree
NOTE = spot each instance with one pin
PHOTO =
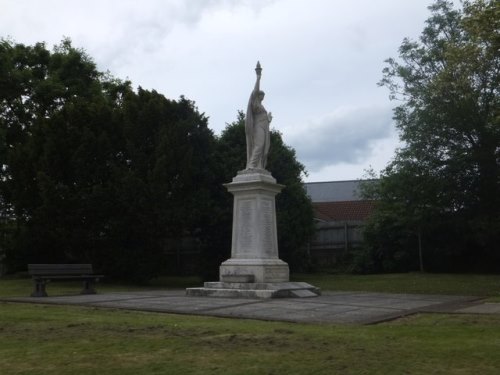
(55, 120)
(442, 187)
(93, 171)
(168, 180)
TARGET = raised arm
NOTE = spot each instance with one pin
(258, 70)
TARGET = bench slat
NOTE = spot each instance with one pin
(68, 277)
(60, 269)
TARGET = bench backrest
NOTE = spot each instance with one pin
(59, 269)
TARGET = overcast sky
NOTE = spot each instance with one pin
(321, 62)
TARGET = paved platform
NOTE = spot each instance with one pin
(331, 307)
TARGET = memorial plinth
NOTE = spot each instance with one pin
(254, 269)
(254, 248)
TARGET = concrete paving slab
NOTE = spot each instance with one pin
(366, 315)
(292, 305)
(331, 307)
(484, 308)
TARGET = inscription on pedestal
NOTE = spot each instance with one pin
(267, 209)
(246, 212)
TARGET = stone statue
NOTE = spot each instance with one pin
(257, 127)
(255, 269)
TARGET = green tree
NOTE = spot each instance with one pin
(166, 186)
(56, 120)
(442, 187)
(92, 170)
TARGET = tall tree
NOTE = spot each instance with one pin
(165, 189)
(56, 121)
(443, 184)
(92, 170)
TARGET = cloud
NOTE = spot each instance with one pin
(381, 151)
(347, 135)
(317, 56)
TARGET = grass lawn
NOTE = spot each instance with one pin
(419, 283)
(38, 339)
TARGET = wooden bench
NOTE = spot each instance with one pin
(44, 273)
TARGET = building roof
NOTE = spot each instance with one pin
(339, 200)
(343, 211)
(335, 191)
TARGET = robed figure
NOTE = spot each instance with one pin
(257, 127)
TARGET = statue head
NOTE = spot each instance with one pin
(261, 95)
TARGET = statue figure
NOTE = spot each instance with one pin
(257, 127)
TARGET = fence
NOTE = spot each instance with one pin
(334, 238)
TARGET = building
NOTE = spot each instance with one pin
(339, 212)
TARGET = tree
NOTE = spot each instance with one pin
(56, 119)
(443, 185)
(93, 171)
(293, 208)
(165, 190)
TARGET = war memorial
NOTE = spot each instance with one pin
(254, 269)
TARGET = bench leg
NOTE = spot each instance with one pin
(39, 290)
(88, 287)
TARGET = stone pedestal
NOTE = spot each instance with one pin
(254, 269)
(254, 248)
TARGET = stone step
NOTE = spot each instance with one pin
(261, 286)
(237, 278)
(254, 290)
(302, 293)
(229, 293)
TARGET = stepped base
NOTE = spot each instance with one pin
(254, 290)
(260, 271)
